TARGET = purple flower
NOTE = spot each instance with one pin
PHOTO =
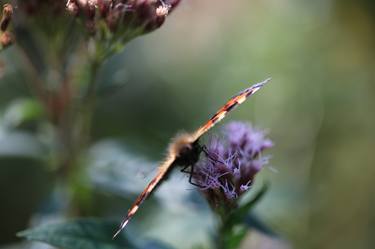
(230, 164)
(246, 139)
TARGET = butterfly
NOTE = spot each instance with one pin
(184, 150)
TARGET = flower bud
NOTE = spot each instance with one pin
(128, 17)
(6, 39)
(6, 17)
(72, 8)
(104, 7)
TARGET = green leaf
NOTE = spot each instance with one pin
(79, 234)
(253, 221)
(154, 244)
(22, 111)
(239, 216)
(234, 238)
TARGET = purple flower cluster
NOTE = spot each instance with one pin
(140, 15)
(230, 165)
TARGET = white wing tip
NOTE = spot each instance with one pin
(262, 83)
(120, 229)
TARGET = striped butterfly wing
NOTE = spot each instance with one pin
(162, 170)
(167, 164)
(229, 106)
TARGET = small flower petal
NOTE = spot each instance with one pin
(230, 165)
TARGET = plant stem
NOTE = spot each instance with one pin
(223, 229)
(89, 102)
(82, 194)
(75, 134)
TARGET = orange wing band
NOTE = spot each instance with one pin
(230, 105)
(163, 169)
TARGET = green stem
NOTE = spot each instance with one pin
(96, 60)
(89, 103)
(227, 236)
(77, 133)
(82, 196)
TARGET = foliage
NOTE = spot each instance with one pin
(83, 234)
(82, 131)
(64, 46)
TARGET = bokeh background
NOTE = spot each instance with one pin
(319, 110)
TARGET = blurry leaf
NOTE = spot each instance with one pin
(262, 241)
(116, 169)
(25, 183)
(242, 212)
(234, 238)
(112, 77)
(22, 111)
(252, 221)
(154, 244)
(119, 170)
(234, 230)
(20, 144)
(79, 234)
(198, 247)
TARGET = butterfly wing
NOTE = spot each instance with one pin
(171, 157)
(162, 170)
(230, 105)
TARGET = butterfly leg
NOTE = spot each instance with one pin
(205, 150)
(184, 169)
(191, 178)
(191, 173)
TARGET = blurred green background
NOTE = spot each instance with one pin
(319, 110)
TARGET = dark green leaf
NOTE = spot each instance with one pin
(240, 214)
(234, 238)
(252, 221)
(79, 234)
(155, 244)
